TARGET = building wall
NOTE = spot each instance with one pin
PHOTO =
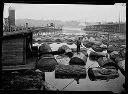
(115, 27)
(11, 17)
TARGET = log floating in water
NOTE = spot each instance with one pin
(121, 65)
(70, 71)
(96, 55)
(45, 48)
(64, 47)
(103, 62)
(97, 48)
(99, 73)
(112, 48)
(88, 44)
(78, 61)
(123, 53)
(47, 63)
(114, 55)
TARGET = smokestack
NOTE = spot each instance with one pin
(26, 26)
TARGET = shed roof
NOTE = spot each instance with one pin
(16, 34)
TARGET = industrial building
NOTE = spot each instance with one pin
(9, 23)
(107, 27)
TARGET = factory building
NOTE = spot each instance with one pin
(107, 27)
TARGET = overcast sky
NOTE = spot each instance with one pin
(66, 12)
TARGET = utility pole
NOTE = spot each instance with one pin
(108, 40)
(119, 22)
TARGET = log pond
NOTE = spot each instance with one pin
(114, 85)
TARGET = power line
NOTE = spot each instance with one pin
(68, 84)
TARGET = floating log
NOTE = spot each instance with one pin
(70, 71)
(64, 47)
(48, 40)
(118, 59)
(114, 55)
(69, 54)
(112, 48)
(69, 40)
(99, 73)
(44, 48)
(104, 61)
(69, 43)
(97, 42)
(94, 56)
(97, 48)
(39, 41)
(46, 63)
(78, 61)
(58, 40)
(104, 47)
(88, 44)
(121, 66)
(123, 46)
(67, 51)
(105, 42)
(123, 53)
(73, 49)
(120, 62)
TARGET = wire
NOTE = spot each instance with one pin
(74, 79)
(89, 66)
(68, 84)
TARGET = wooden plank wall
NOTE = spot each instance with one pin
(12, 51)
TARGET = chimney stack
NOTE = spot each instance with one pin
(26, 26)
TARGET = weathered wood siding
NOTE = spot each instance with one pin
(12, 51)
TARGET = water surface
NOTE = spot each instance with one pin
(86, 84)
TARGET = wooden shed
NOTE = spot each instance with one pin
(16, 51)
